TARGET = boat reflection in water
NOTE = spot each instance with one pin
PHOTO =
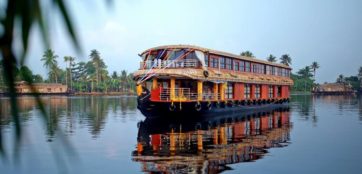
(208, 145)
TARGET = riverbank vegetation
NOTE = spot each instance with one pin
(354, 80)
(80, 76)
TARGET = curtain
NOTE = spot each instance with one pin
(200, 55)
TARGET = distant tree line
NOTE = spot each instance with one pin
(284, 59)
(304, 79)
(81, 76)
(355, 80)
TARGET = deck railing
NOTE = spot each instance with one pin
(185, 94)
(186, 63)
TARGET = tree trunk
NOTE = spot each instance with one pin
(70, 74)
(66, 77)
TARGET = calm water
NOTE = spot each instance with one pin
(109, 135)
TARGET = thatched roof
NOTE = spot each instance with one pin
(215, 76)
(334, 87)
(38, 84)
(221, 53)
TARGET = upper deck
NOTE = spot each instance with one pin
(186, 61)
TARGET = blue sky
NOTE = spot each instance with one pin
(328, 32)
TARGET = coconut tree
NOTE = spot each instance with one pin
(123, 78)
(96, 61)
(314, 67)
(360, 72)
(360, 76)
(98, 65)
(271, 58)
(340, 79)
(247, 54)
(69, 59)
(51, 64)
(286, 59)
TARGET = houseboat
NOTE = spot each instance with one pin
(333, 89)
(23, 88)
(190, 79)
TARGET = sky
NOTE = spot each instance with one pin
(326, 31)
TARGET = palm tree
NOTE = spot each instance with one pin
(123, 78)
(360, 72)
(69, 59)
(247, 54)
(271, 58)
(51, 64)
(360, 76)
(340, 79)
(96, 60)
(314, 67)
(286, 60)
(305, 72)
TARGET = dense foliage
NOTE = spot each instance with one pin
(354, 81)
(83, 76)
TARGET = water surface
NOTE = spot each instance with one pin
(108, 134)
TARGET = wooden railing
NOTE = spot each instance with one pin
(186, 63)
(185, 94)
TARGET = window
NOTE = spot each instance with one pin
(229, 91)
(242, 66)
(271, 91)
(222, 62)
(279, 91)
(236, 65)
(254, 68)
(257, 91)
(214, 62)
(247, 66)
(258, 68)
(273, 70)
(262, 69)
(286, 72)
(279, 71)
(189, 56)
(267, 69)
(228, 64)
(247, 91)
(207, 61)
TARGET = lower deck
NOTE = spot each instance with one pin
(189, 90)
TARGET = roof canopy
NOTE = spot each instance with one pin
(221, 53)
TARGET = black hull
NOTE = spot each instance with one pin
(158, 125)
(189, 109)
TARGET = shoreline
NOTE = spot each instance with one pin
(73, 94)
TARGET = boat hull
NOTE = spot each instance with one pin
(192, 109)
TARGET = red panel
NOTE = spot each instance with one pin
(285, 117)
(264, 91)
(285, 92)
(238, 131)
(156, 140)
(264, 123)
(242, 90)
(275, 92)
(252, 91)
(252, 126)
(275, 119)
(155, 94)
(238, 91)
